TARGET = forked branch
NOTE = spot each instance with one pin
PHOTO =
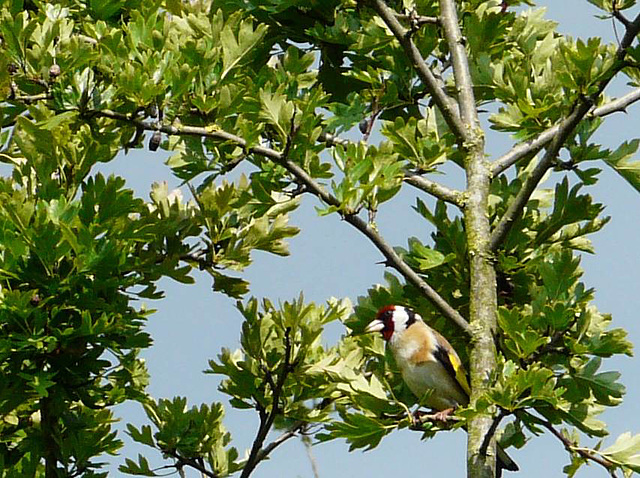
(534, 145)
(445, 103)
(565, 128)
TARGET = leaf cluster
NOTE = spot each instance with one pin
(189, 436)
(265, 86)
(278, 372)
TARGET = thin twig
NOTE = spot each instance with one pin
(418, 20)
(298, 428)
(617, 105)
(267, 419)
(306, 441)
(183, 461)
(421, 418)
(554, 344)
(418, 419)
(28, 99)
(492, 430)
(333, 140)
(617, 14)
(572, 448)
(292, 432)
(445, 103)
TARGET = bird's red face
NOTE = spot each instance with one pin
(390, 319)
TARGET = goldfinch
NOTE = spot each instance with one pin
(429, 365)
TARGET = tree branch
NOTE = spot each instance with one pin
(572, 448)
(183, 461)
(445, 103)
(266, 420)
(392, 259)
(28, 99)
(418, 20)
(436, 189)
(618, 15)
(565, 129)
(308, 445)
(464, 84)
(300, 427)
(481, 456)
(293, 431)
(332, 139)
(492, 430)
(617, 105)
(431, 187)
(516, 207)
(521, 150)
(532, 146)
(48, 426)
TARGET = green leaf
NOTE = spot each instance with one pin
(425, 257)
(235, 49)
(57, 120)
(604, 385)
(277, 111)
(625, 452)
(231, 286)
(359, 430)
(620, 161)
(143, 435)
(140, 468)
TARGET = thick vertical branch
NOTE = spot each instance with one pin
(47, 424)
(483, 299)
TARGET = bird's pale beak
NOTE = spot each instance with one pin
(375, 326)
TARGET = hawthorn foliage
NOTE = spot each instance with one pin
(282, 87)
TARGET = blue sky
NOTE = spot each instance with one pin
(329, 258)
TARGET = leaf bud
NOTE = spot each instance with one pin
(54, 71)
(364, 126)
(155, 141)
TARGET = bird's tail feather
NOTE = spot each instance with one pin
(505, 462)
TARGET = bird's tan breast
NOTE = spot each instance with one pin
(415, 345)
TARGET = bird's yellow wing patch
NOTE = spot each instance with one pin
(447, 355)
(460, 373)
